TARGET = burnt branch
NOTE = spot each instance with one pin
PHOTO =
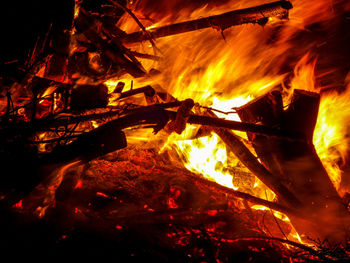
(245, 196)
(258, 14)
(157, 114)
(259, 170)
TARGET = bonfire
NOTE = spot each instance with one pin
(209, 131)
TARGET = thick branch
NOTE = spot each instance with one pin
(245, 196)
(243, 126)
(258, 14)
(156, 114)
(252, 163)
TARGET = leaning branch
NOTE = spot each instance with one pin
(245, 196)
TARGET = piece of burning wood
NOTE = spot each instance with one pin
(245, 196)
(119, 87)
(78, 97)
(88, 146)
(155, 114)
(241, 151)
(162, 94)
(296, 164)
(52, 166)
(302, 113)
(268, 108)
(41, 84)
(128, 118)
(146, 56)
(245, 126)
(258, 14)
(178, 125)
(251, 162)
(149, 93)
(138, 22)
(147, 90)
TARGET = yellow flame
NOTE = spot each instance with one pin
(205, 156)
(224, 73)
(331, 136)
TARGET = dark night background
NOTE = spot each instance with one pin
(23, 22)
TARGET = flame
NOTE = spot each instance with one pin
(304, 74)
(225, 70)
(331, 136)
(206, 156)
(217, 72)
(45, 192)
(76, 8)
(228, 69)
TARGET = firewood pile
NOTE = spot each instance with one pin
(75, 182)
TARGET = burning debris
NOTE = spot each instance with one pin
(75, 134)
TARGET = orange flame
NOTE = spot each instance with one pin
(224, 73)
(331, 137)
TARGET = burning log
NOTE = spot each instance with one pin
(154, 114)
(179, 124)
(88, 146)
(237, 194)
(258, 14)
(146, 56)
(296, 164)
(251, 162)
(76, 97)
(245, 126)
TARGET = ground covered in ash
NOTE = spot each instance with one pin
(135, 205)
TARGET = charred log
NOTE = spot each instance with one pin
(252, 163)
(258, 14)
(179, 123)
(245, 196)
(296, 164)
